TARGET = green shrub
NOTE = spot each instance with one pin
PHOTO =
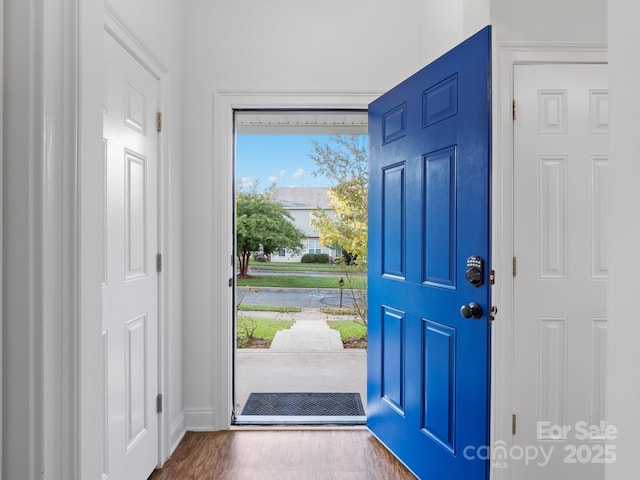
(315, 258)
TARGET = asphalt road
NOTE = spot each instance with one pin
(295, 297)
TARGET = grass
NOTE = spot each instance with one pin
(349, 330)
(268, 308)
(258, 328)
(339, 311)
(289, 281)
(294, 267)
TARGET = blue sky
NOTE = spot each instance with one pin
(283, 159)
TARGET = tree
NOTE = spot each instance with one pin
(344, 162)
(262, 226)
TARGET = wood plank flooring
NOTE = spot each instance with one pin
(339, 454)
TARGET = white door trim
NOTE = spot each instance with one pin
(41, 413)
(1, 207)
(119, 30)
(507, 55)
(225, 102)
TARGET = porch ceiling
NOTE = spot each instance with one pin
(301, 122)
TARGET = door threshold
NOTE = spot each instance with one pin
(299, 420)
(295, 428)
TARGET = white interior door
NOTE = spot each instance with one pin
(560, 191)
(130, 303)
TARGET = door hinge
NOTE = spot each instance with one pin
(515, 266)
(514, 110)
(492, 277)
(513, 424)
(158, 262)
(158, 122)
(159, 403)
(231, 282)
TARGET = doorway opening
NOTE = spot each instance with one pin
(300, 282)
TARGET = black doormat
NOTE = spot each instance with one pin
(304, 404)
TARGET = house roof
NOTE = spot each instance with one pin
(302, 197)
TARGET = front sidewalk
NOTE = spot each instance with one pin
(263, 370)
(309, 357)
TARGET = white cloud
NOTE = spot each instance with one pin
(273, 179)
(299, 172)
(245, 182)
(282, 172)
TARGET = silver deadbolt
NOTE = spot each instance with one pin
(472, 310)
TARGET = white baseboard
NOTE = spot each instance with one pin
(178, 430)
(199, 420)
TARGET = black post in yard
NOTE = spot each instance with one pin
(341, 286)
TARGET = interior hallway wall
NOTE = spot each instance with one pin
(563, 21)
(290, 46)
(623, 355)
(279, 45)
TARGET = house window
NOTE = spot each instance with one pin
(314, 246)
(281, 252)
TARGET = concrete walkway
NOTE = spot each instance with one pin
(308, 357)
(308, 334)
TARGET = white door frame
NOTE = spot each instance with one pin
(116, 27)
(506, 56)
(225, 102)
(40, 376)
(1, 196)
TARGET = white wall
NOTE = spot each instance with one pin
(550, 20)
(277, 45)
(442, 27)
(331, 45)
(284, 46)
(623, 396)
(280, 45)
(446, 24)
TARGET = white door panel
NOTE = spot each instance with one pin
(560, 222)
(131, 285)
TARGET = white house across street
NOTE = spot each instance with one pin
(301, 202)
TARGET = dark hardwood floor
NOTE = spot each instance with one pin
(339, 454)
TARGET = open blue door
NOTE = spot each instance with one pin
(429, 294)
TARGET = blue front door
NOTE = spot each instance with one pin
(429, 293)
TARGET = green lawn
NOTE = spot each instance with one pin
(349, 330)
(294, 267)
(268, 308)
(339, 311)
(248, 328)
(290, 281)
